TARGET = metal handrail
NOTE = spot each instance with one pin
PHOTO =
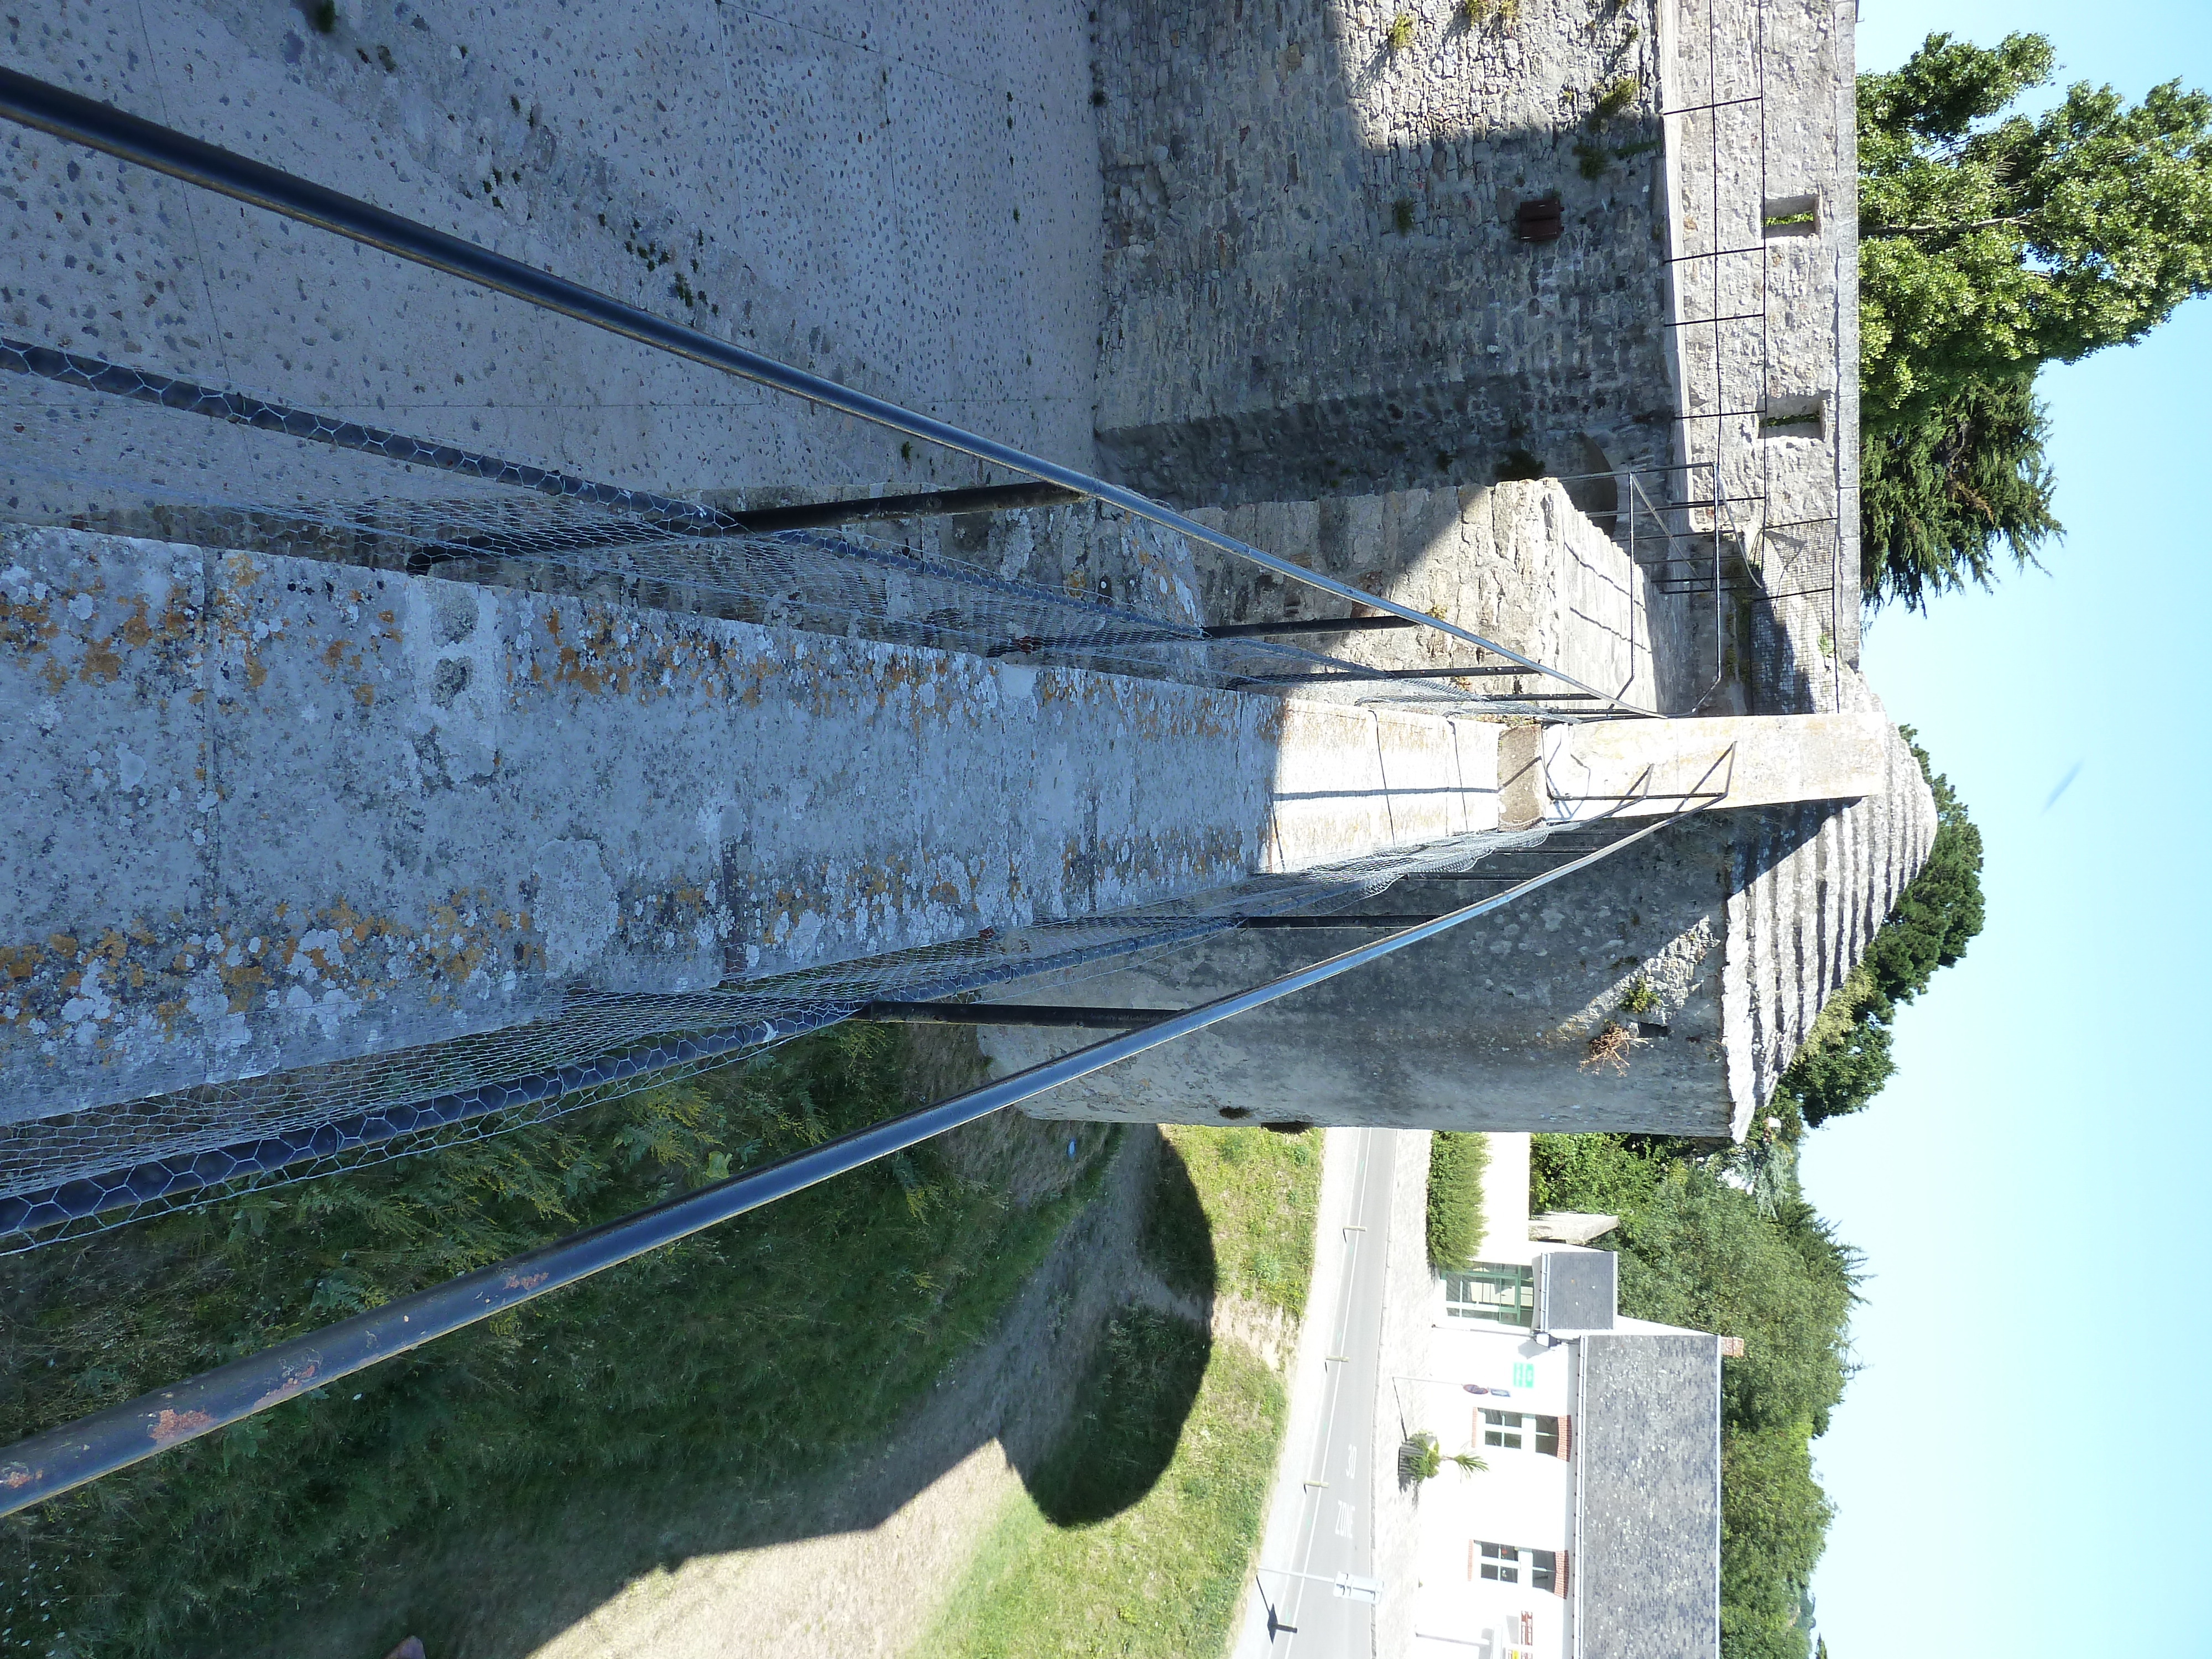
(46, 1465)
(102, 127)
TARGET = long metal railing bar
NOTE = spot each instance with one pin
(657, 515)
(1030, 642)
(1262, 924)
(1306, 625)
(1361, 671)
(171, 1177)
(1419, 674)
(1714, 253)
(1696, 502)
(926, 504)
(1718, 103)
(1011, 1013)
(45, 1465)
(241, 409)
(1721, 414)
(101, 127)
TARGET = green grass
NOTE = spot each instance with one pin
(1162, 1576)
(1138, 1535)
(734, 1355)
(1258, 1193)
(1456, 1221)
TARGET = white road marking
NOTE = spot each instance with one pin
(1344, 1520)
(1351, 1460)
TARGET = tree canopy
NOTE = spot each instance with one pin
(1846, 1059)
(1990, 244)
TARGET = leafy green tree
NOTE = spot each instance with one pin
(1774, 1524)
(1944, 492)
(1701, 1255)
(1991, 245)
(1990, 249)
(1846, 1059)
(1698, 1251)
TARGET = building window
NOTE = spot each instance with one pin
(1509, 1563)
(1500, 1293)
(1522, 1431)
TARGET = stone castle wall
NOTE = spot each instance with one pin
(1312, 283)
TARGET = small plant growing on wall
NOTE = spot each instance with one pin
(1610, 1047)
(1400, 35)
(1421, 1458)
(1640, 1000)
(1401, 215)
(1613, 99)
(1504, 13)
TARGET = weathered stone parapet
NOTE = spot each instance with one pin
(1810, 890)
(1488, 1026)
(1651, 768)
(1662, 991)
(265, 813)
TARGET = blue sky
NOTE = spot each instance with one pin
(2023, 1466)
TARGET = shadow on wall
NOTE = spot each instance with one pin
(1339, 260)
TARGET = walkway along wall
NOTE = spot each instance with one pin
(268, 811)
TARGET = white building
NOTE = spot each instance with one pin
(1595, 1531)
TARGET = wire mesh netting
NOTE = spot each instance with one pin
(95, 447)
(63, 1175)
(92, 450)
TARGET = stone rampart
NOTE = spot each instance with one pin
(269, 811)
(1515, 563)
(1739, 926)
(1313, 284)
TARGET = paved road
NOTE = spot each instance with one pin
(1336, 1526)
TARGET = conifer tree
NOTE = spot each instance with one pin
(1991, 244)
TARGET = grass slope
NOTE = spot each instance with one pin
(738, 1353)
(1138, 1535)
(1163, 1576)
(1259, 1192)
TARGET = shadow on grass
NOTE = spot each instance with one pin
(1143, 1377)
(487, 1492)
(1139, 1390)
(1178, 1238)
